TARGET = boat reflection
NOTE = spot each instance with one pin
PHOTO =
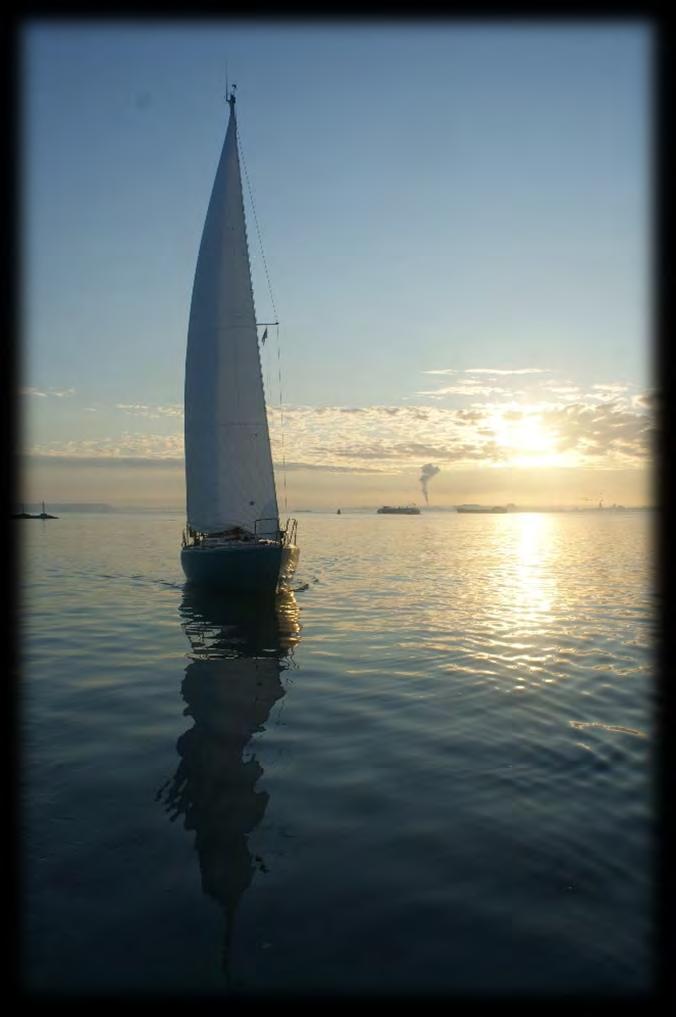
(240, 647)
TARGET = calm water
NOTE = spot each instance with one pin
(429, 770)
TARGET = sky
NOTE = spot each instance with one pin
(455, 220)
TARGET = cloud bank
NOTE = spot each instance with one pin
(591, 431)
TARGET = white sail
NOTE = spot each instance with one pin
(228, 463)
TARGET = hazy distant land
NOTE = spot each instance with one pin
(102, 507)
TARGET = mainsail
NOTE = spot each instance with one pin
(228, 462)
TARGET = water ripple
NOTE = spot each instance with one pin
(432, 770)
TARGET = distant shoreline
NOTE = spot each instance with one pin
(99, 508)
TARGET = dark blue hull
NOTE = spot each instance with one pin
(249, 568)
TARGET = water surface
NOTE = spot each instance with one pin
(427, 771)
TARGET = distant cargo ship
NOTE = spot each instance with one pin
(481, 508)
(399, 510)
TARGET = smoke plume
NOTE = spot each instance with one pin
(426, 475)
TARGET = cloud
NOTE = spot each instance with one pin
(58, 393)
(490, 389)
(481, 382)
(383, 440)
(124, 446)
(466, 388)
(601, 433)
(645, 400)
(614, 389)
(114, 462)
(566, 392)
(489, 370)
(469, 416)
(504, 371)
(331, 468)
(617, 429)
(151, 412)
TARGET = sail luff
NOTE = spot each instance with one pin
(229, 471)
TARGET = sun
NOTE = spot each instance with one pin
(525, 439)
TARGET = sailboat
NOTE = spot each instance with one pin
(22, 514)
(233, 539)
(46, 515)
(27, 515)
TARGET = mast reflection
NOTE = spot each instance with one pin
(239, 649)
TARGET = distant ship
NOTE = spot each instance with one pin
(27, 515)
(481, 508)
(399, 510)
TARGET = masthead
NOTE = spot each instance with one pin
(231, 99)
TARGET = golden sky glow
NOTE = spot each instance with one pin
(516, 435)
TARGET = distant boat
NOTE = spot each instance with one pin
(22, 514)
(399, 510)
(27, 515)
(481, 508)
(233, 539)
(338, 512)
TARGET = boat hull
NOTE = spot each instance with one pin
(249, 568)
(407, 511)
(482, 511)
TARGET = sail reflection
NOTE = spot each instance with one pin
(240, 647)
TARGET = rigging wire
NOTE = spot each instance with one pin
(274, 308)
(281, 418)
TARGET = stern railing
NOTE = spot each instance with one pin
(285, 536)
